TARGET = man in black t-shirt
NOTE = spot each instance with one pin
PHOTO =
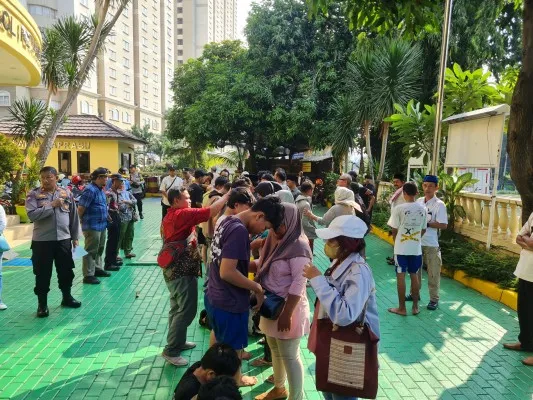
(219, 360)
(196, 190)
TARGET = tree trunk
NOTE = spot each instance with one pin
(366, 133)
(362, 160)
(73, 91)
(520, 134)
(384, 139)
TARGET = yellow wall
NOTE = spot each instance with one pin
(103, 153)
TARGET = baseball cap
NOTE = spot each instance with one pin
(345, 225)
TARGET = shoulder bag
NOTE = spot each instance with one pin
(346, 357)
(273, 304)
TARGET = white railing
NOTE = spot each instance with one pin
(507, 219)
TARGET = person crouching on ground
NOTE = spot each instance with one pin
(219, 360)
(280, 270)
(524, 273)
(347, 285)
(408, 222)
(182, 275)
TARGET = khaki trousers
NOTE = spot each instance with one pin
(433, 261)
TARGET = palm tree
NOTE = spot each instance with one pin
(359, 86)
(83, 40)
(53, 60)
(396, 80)
(28, 117)
(345, 127)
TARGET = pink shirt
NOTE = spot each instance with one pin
(286, 277)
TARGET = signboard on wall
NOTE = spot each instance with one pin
(475, 143)
(306, 167)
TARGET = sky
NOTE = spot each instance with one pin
(243, 7)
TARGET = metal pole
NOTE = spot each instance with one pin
(442, 72)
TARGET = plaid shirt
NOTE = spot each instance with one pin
(94, 200)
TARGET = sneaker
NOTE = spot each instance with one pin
(433, 305)
(141, 216)
(177, 361)
(101, 273)
(70, 302)
(410, 298)
(91, 280)
(2, 306)
(188, 346)
(112, 268)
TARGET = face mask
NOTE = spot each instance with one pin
(331, 251)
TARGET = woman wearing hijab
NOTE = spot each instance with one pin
(344, 205)
(280, 270)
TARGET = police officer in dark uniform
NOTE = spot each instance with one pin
(55, 231)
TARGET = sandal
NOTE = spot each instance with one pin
(270, 379)
(260, 362)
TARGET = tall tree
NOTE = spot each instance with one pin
(83, 41)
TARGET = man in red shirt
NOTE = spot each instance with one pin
(181, 276)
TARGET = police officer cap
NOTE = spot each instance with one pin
(431, 178)
(98, 172)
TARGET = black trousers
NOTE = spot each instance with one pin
(525, 314)
(139, 198)
(43, 256)
(113, 234)
(164, 209)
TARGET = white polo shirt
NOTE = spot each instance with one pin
(436, 212)
(168, 183)
(524, 268)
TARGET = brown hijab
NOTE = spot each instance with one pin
(293, 244)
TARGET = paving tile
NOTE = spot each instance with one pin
(110, 347)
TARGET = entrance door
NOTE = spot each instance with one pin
(64, 162)
(84, 162)
(126, 160)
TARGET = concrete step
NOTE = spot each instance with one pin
(13, 220)
(18, 232)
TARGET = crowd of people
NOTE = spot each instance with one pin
(255, 236)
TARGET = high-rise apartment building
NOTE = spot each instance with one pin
(130, 83)
(199, 22)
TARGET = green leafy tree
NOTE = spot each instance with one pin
(10, 157)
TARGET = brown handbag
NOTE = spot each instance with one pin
(346, 357)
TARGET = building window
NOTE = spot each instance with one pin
(127, 96)
(126, 79)
(64, 163)
(42, 10)
(5, 98)
(144, 11)
(156, 105)
(180, 21)
(154, 34)
(144, 41)
(144, 26)
(145, 87)
(113, 115)
(180, 62)
(126, 117)
(84, 106)
(180, 52)
(180, 42)
(145, 72)
(126, 29)
(156, 91)
(126, 45)
(145, 102)
(155, 124)
(180, 31)
(180, 10)
(84, 162)
(113, 73)
(126, 12)
(111, 37)
(112, 55)
(156, 77)
(156, 49)
(84, 3)
(126, 62)
(113, 91)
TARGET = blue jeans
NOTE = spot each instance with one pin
(333, 396)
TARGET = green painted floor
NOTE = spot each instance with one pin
(109, 348)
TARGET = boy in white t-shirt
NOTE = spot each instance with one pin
(408, 222)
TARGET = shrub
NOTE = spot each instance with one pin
(10, 157)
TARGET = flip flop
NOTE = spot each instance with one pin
(513, 346)
(395, 311)
(260, 362)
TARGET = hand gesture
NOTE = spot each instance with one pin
(75, 243)
(310, 271)
(57, 203)
(284, 322)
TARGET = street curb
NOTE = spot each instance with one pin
(489, 289)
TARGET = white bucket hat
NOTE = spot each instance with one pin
(345, 225)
